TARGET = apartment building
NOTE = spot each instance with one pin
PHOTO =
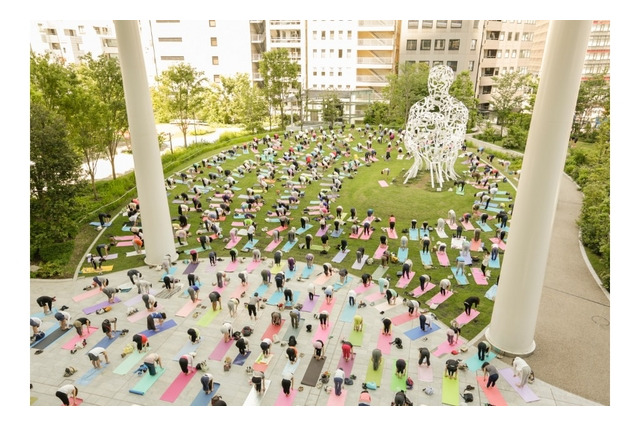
(598, 57)
(71, 40)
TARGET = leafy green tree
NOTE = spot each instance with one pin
(236, 101)
(462, 90)
(509, 97)
(49, 82)
(183, 88)
(55, 172)
(377, 113)
(332, 109)
(409, 86)
(593, 103)
(279, 74)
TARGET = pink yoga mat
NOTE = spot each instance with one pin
(272, 245)
(446, 348)
(321, 232)
(501, 244)
(177, 386)
(72, 342)
(379, 252)
(237, 223)
(337, 401)
(478, 277)
(392, 234)
(238, 291)
(253, 265)
(142, 313)
(403, 282)
(493, 394)
(361, 289)
(525, 392)
(468, 226)
(425, 374)
(476, 245)
(417, 292)
(123, 237)
(86, 294)
(272, 329)
(124, 244)
(326, 307)
(346, 366)
(356, 236)
(452, 227)
(284, 400)
(463, 318)
(443, 259)
(364, 236)
(221, 349)
(438, 298)
(401, 319)
(373, 297)
(232, 243)
(322, 278)
(187, 308)
(231, 266)
(322, 334)
(383, 183)
(384, 343)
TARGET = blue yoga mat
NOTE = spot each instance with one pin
(506, 228)
(106, 342)
(240, 359)
(172, 270)
(473, 363)
(413, 234)
(289, 274)
(42, 315)
(159, 328)
(339, 257)
(189, 347)
(289, 246)
(272, 220)
(147, 380)
(403, 253)
(426, 258)
(275, 298)
(348, 312)
(98, 224)
(89, 376)
(462, 280)
(306, 272)
(484, 226)
(422, 232)
(336, 234)
(416, 333)
(250, 244)
(495, 263)
(262, 288)
(491, 293)
(299, 231)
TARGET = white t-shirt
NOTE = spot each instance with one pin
(96, 351)
(339, 374)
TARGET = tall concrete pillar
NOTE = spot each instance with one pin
(154, 207)
(515, 311)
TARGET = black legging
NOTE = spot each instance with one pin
(252, 310)
(286, 386)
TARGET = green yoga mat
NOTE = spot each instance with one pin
(374, 376)
(379, 272)
(398, 383)
(208, 316)
(356, 337)
(316, 247)
(132, 360)
(450, 394)
(147, 380)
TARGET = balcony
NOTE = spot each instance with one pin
(257, 76)
(371, 80)
(256, 57)
(375, 43)
(257, 38)
(285, 40)
(284, 22)
(388, 25)
(373, 62)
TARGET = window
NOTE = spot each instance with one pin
(214, 41)
(70, 33)
(425, 44)
(315, 73)
(425, 62)
(504, 70)
(454, 44)
(490, 53)
(427, 24)
(474, 43)
(169, 39)
(525, 53)
(409, 62)
(216, 78)
(315, 53)
(172, 58)
(81, 29)
(412, 25)
(509, 36)
(472, 65)
(55, 46)
(475, 24)
(456, 24)
(339, 53)
(331, 35)
(501, 37)
(510, 69)
(323, 53)
(506, 53)
(212, 23)
(110, 42)
(498, 53)
(331, 53)
(349, 35)
(523, 70)
(214, 60)
(439, 44)
(441, 24)
(453, 65)
(348, 53)
(322, 73)
(485, 90)
(339, 73)
(412, 44)
(489, 72)
(340, 34)
(323, 35)
(315, 35)
(530, 22)
(52, 31)
(516, 36)
(514, 53)
(435, 63)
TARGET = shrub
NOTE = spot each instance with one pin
(56, 252)
(49, 270)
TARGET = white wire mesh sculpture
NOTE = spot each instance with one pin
(436, 128)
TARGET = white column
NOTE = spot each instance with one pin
(154, 207)
(515, 311)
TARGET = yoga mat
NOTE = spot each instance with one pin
(416, 333)
(463, 318)
(359, 266)
(141, 314)
(323, 334)
(124, 244)
(499, 228)
(89, 376)
(374, 297)
(403, 281)
(254, 398)
(314, 369)
(231, 267)
(501, 244)
(336, 234)
(379, 252)
(495, 263)
(262, 362)
(187, 308)
(284, 400)
(131, 360)
(398, 383)
(202, 399)
(221, 349)
(413, 234)
(417, 292)
(450, 391)
(476, 245)
(306, 272)
(423, 232)
(276, 268)
(383, 183)
(386, 306)
(253, 265)
(105, 268)
(272, 329)
(361, 288)
(425, 257)
(190, 268)
(188, 347)
(425, 374)
(379, 272)
(475, 364)
(300, 231)
(177, 386)
(240, 359)
(443, 259)
(356, 337)
(159, 328)
(525, 391)
(365, 236)
(106, 224)
(340, 256)
(138, 298)
(356, 236)
(316, 247)
(172, 270)
(147, 380)
(272, 245)
(289, 245)
(491, 293)
(468, 226)
(232, 243)
(322, 278)
(446, 348)
(467, 258)
(478, 277)
(261, 290)
(308, 305)
(347, 366)
(86, 294)
(493, 394)
(384, 343)
(402, 318)
(456, 243)
(403, 253)
(92, 309)
(460, 278)
(272, 220)
(348, 312)
(288, 274)
(105, 342)
(321, 232)
(441, 233)
(335, 400)
(439, 298)
(391, 233)
(275, 298)
(374, 376)
(338, 285)
(250, 244)
(484, 226)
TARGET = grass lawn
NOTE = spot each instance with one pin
(414, 200)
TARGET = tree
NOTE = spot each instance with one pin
(508, 97)
(409, 86)
(183, 89)
(331, 109)
(462, 90)
(236, 101)
(54, 180)
(104, 79)
(49, 81)
(591, 106)
(279, 74)
(377, 113)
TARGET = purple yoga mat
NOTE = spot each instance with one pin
(525, 392)
(190, 268)
(308, 305)
(159, 328)
(92, 309)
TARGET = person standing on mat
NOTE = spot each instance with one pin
(64, 318)
(425, 321)
(295, 317)
(242, 344)
(94, 356)
(376, 358)
(141, 341)
(227, 331)
(494, 251)
(347, 350)
(79, 322)
(413, 306)
(424, 280)
(406, 268)
(483, 349)
(207, 383)
(149, 302)
(323, 316)
(391, 295)
(110, 292)
(445, 285)
(292, 354)
(338, 380)
(328, 293)
(251, 306)
(214, 298)
(194, 335)
(46, 302)
(194, 293)
(469, 302)
(351, 295)
(186, 361)
(386, 322)
(357, 322)
(35, 323)
(220, 276)
(108, 328)
(153, 317)
(425, 356)
(288, 296)
(150, 361)
(232, 305)
(265, 345)
(521, 370)
(490, 374)
(287, 382)
(66, 391)
(392, 222)
(401, 367)
(383, 283)
(257, 378)
(451, 369)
